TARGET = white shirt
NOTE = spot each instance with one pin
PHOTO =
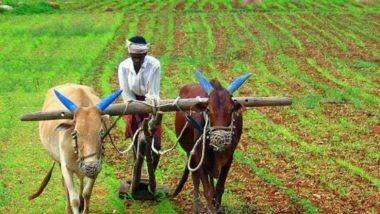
(145, 83)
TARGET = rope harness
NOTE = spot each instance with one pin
(220, 138)
(90, 169)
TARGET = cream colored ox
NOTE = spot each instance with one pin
(75, 144)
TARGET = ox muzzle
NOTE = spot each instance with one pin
(221, 137)
(90, 169)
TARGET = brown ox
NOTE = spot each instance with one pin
(222, 135)
(75, 144)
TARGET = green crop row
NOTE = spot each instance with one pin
(291, 68)
(305, 145)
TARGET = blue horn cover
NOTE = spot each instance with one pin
(104, 103)
(235, 85)
(206, 85)
(66, 101)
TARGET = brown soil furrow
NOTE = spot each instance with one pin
(335, 23)
(222, 6)
(237, 4)
(356, 116)
(331, 48)
(300, 86)
(222, 41)
(303, 171)
(316, 76)
(314, 183)
(207, 7)
(320, 57)
(181, 5)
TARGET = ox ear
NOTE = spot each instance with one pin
(235, 85)
(203, 81)
(239, 107)
(66, 101)
(104, 103)
(64, 126)
(199, 107)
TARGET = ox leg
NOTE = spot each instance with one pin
(87, 194)
(68, 207)
(73, 195)
(208, 190)
(81, 205)
(197, 199)
(220, 184)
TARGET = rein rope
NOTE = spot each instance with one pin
(192, 152)
(108, 130)
(158, 152)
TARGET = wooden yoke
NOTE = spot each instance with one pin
(164, 106)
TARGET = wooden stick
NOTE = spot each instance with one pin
(165, 106)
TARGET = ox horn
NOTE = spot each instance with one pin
(203, 81)
(66, 101)
(238, 82)
(104, 103)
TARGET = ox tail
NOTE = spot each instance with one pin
(181, 183)
(43, 184)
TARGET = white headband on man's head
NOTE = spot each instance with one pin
(137, 48)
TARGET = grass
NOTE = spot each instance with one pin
(41, 56)
(30, 7)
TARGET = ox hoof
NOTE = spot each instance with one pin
(124, 190)
(142, 192)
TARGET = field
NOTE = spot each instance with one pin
(321, 155)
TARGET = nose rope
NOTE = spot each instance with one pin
(159, 152)
(112, 126)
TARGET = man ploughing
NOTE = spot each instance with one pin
(139, 78)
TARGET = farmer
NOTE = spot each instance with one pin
(139, 78)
